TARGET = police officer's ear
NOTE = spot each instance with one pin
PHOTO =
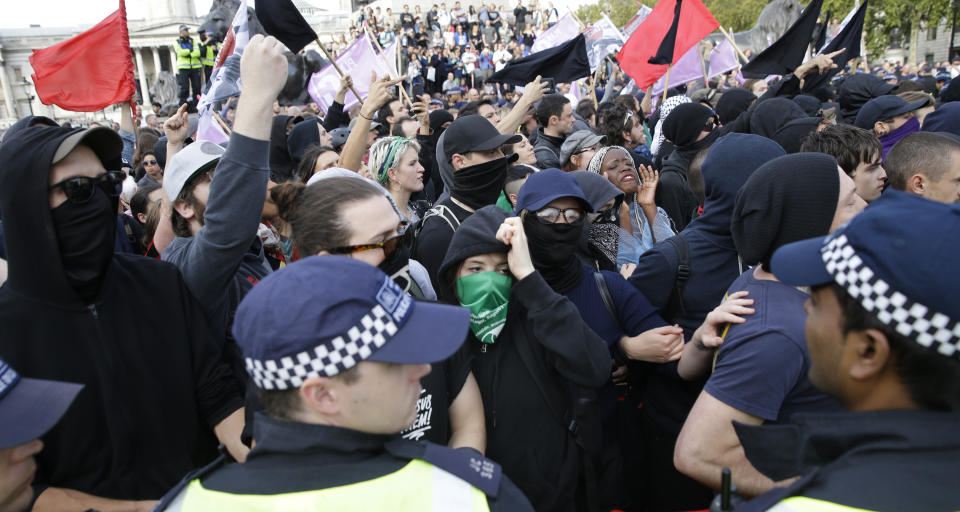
(866, 355)
(321, 395)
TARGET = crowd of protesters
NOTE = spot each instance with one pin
(555, 303)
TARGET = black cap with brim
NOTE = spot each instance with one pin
(32, 408)
(102, 140)
(801, 263)
(474, 133)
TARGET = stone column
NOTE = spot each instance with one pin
(156, 62)
(7, 91)
(173, 60)
(144, 85)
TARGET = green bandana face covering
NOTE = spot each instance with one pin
(486, 295)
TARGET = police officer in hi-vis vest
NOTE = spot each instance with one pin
(208, 53)
(188, 65)
(336, 350)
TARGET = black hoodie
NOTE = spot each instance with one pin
(154, 383)
(544, 329)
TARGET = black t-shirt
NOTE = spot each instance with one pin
(440, 387)
(406, 20)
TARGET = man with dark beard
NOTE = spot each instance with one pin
(470, 151)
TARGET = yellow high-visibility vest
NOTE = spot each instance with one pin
(418, 486)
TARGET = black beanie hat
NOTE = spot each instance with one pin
(788, 199)
(685, 122)
(476, 235)
(790, 136)
(733, 102)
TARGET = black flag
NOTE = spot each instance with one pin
(786, 53)
(848, 38)
(564, 63)
(281, 19)
(664, 53)
(820, 36)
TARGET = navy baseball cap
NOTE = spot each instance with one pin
(30, 407)
(894, 269)
(322, 315)
(882, 108)
(543, 187)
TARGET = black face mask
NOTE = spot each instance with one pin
(85, 235)
(397, 266)
(553, 250)
(480, 185)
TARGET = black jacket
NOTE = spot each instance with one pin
(524, 434)
(673, 191)
(878, 460)
(547, 149)
(295, 457)
(154, 381)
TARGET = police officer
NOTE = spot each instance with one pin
(28, 409)
(188, 65)
(208, 53)
(337, 350)
(883, 332)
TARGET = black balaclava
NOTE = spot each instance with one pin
(733, 102)
(480, 185)
(553, 249)
(773, 114)
(684, 125)
(790, 198)
(85, 235)
(281, 166)
(791, 135)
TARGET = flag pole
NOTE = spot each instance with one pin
(703, 64)
(734, 44)
(666, 84)
(340, 71)
(593, 92)
(376, 44)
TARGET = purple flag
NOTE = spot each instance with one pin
(685, 70)
(603, 38)
(723, 58)
(564, 30)
(360, 61)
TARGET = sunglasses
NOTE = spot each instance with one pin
(626, 120)
(551, 215)
(389, 245)
(80, 188)
(710, 125)
(150, 162)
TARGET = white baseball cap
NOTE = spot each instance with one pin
(187, 163)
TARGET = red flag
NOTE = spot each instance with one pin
(695, 22)
(88, 72)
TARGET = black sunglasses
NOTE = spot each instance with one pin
(80, 188)
(149, 162)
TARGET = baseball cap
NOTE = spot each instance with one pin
(543, 187)
(882, 108)
(892, 268)
(339, 137)
(322, 315)
(942, 76)
(102, 140)
(890, 76)
(188, 162)
(373, 124)
(210, 33)
(474, 133)
(30, 407)
(577, 141)
(184, 27)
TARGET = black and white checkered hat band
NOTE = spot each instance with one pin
(329, 357)
(911, 319)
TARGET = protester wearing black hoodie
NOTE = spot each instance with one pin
(154, 385)
(691, 127)
(281, 165)
(529, 372)
(713, 264)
